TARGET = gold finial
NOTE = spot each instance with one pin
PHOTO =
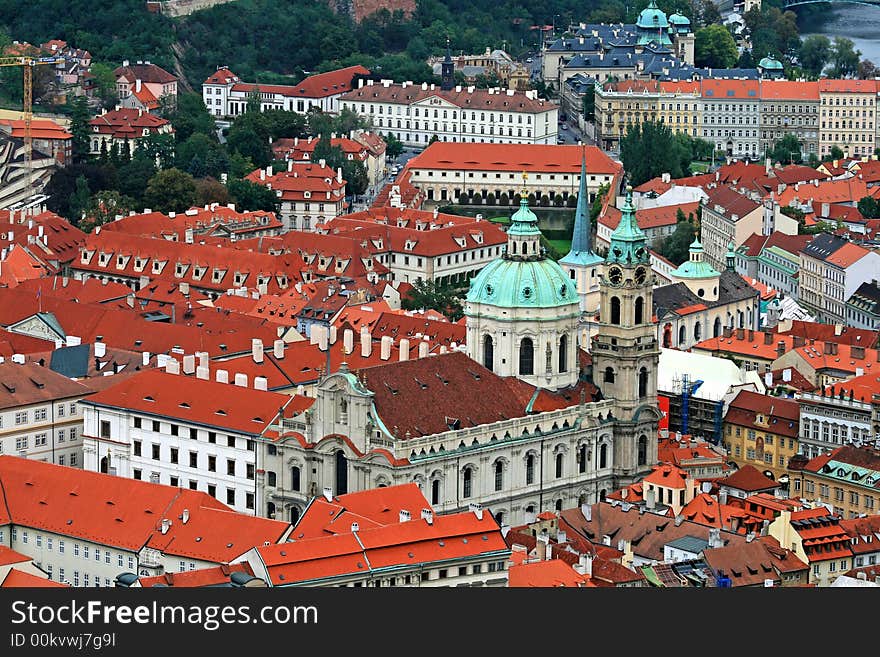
(525, 192)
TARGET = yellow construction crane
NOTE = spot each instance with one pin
(27, 62)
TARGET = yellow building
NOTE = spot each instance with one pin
(761, 431)
(620, 104)
(846, 478)
(846, 116)
(680, 107)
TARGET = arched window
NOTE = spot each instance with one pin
(294, 515)
(499, 475)
(513, 248)
(603, 455)
(341, 473)
(526, 356)
(270, 510)
(499, 518)
(530, 469)
(271, 478)
(682, 335)
(609, 375)
(741, 319)
(435, 491)
(563, 353)
(559, 458)
(643, 450)
(698, 331)
(488, 352)
(582, 459)
(294, 478)
(643, 382)
(640, 310)
(343, 410)
(667, 335)
(558, 505)
(716, 328)
(615, 310)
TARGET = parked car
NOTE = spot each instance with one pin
(529, 60)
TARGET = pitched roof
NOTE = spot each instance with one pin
(433, 395)
(730, 201)
(648, 218)
(546, 573)
(320, 85)
(207, 403)
(667, 475)
(781, 414)
(847, 255)
(463, 97)
(540, 158)
(126, 513)
(28, 383)
(789, 90)
(10, 556)
(215, 576)
(146, 72)
(749, 564)
(126, 122)
(749, 479)
(19, 579)
(847, 86)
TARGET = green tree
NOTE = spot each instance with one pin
(869, 207)
(79, 128)
(157, 147)
(714, 47)
(648, 150)
(210, 190)
(589, 103)
(704, 12)
(433, 139)
(249, 137)
(428, 294)
(103, 207)
(190, 117)
(814, 53)
(250, 196)
(676, 247)
(79, 200)
(132, 178)
(170, 190)
(844, 58)
(105, 82)
(835, 154)
(787, 150)
(393, 146)
(204, 154)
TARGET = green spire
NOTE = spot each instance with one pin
(580, 252)
(628, 241)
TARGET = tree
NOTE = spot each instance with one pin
(589, 103)
(354, 172)
(132, 178)
(211, 190)
(250, 196)
(202, 156)
(79, 200)
(704, 12)
(834, 154)
(786, 150)
(393, 146)
(190, 117)
(103, 207)
(79, 128)
(814, 53)
(869, 207)
(844, 58)
(249, 137)
(433, 139)
(429, 294)
(676, 247)
(170, 190)
(157, 147)
(650, 149)
(105, 82)
(714, 47)
(867, 70)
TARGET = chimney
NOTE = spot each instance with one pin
(780, 348)
(798, 341)
(145, 359)
(166, 525)
(542, 545)
(768, 379)
(650, 499)
(184, 518)
(728, 331)
(424, 348)
(404, 515)
(740, 334)
(203, 373)
(328, 493)
(323, 336)
(348, 341)
(584, 565)
(750, 537)
(722, 496)
(257, 350)
(278, 349)
(100, 349)
(172, 366)
(751, 335)
(386, 347)
(241, 379)
(355, 528)
(786, 374)
(768, 337)
(333, 332)
(587, 512)
(189, 364)
(261, 383)
(428, 516)
(366, 342)
(404, 349)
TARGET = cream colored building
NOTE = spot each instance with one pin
(847, 116)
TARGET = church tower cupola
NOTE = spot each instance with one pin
(524, 236)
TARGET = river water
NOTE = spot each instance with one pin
(859, 23)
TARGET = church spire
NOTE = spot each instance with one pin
(447, 70)
(580, 240)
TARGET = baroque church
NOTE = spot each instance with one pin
(529, 419)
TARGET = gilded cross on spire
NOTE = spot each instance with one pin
(525, 192)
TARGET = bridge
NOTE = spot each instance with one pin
(795, 3)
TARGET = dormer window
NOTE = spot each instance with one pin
(158, 266)
(103, 259)
(86, 257)
(217, 275)
(180, 269)
(307, 194)
(139, 264)
(121, 261)
(198, 272)
(409, 246)
(239, 278)
(478, 237)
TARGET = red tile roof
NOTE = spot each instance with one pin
(781, 414)
(127, 514)
(789, 90)
(731, 201)
(749, 564)
(47, 235)
(463, 97)
(648, 218)
(206, 403)
(215, 576)
(10, 556)
(28, 383)
(19, 579)
(40, 129)
(540, 158)
(320, 85)
(146, 72)
(863, 388)
(749, 479)
(754, 346)
(847, 86)
(667, 475)
(847, 255)
(847, 190)
(124, 122)
(832, 333)
(545, 574)
(321, 182)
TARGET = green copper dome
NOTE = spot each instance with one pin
(628, 241)
(525, 280)
(695, 267)
(652, 18)
(770, 62)
(523, 284)
(679, 19)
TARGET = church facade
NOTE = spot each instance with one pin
(516, 424)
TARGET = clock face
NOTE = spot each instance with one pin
(615, 275)
(641, 275)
